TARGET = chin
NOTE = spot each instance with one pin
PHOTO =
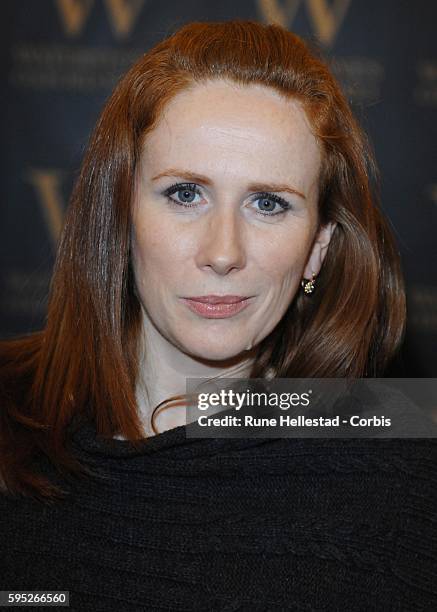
(214, 351)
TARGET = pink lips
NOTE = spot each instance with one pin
(217, 306)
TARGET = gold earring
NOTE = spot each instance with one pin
(308, 285)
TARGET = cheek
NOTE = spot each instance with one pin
(157, 252)
(282, 261)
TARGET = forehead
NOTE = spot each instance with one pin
(238, 124)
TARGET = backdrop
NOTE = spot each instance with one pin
(61, 58)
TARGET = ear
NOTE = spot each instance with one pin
(319, 249)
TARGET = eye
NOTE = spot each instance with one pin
(185, 192)
(271, 204)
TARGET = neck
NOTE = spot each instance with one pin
(164, 369)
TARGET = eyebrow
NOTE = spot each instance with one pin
(199, 178)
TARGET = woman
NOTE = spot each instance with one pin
(226, 166)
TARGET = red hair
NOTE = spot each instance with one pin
(84, 363)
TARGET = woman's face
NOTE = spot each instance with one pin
(225, 204)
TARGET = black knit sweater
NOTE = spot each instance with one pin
(233, 524)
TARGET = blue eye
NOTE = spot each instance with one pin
(267, 199)
(272, 204)
(185, 192)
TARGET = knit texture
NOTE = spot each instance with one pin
(187, 524)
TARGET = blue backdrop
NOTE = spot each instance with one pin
(61, 59)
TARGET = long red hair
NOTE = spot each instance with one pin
(85, 362)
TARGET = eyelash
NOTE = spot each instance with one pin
(259, 196)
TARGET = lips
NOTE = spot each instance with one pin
(217, 306)
(218, 299)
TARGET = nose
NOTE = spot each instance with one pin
(221, 247)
